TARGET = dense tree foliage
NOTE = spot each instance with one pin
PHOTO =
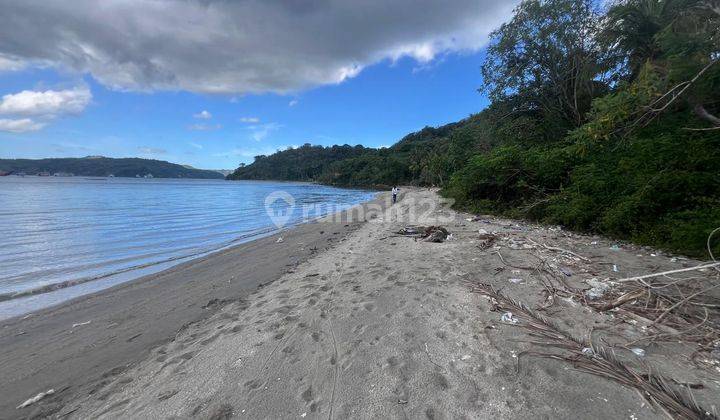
(600, 121)
(103, 166)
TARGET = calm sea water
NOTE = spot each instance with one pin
(62, 237)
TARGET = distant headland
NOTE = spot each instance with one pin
(104, 166)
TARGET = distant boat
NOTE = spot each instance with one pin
(63, 174)
(111, 176)
(148, 176)
(5, 173)
(20, 174)
(137, 176)
(43, 173)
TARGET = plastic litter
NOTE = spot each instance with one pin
(565, 271)
(598, 289)
(509, 318)
(280, 239)
(615, 248)
(516, 281)
(638, 351)
(615, 268)
(587, 351)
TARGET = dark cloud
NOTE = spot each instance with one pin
(243, 46)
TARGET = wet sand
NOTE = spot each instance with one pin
(76, 347)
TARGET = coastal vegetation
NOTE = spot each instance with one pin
(602, 120)
(104, 166)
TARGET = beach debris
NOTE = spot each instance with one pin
(429, 233)
(562, 345)
(436, 234)
(627, 297)
(614, 248)
(279, 240)
(588, 351)
(615, 268)
(514, 280)
(509, 318)
(638, 351)
(565, 271)
(35, 399)
(80, 324)
(408, 230)
(487, 239)
(597, 290)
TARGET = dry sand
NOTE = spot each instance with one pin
(385, 326)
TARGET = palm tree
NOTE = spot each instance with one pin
(635, 28)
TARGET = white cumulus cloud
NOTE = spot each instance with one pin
(32, 110)
(250, 120)
(21, 125)
(237, 47)
(46, 103)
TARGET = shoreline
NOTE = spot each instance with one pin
(14, 303)
(70, 346)
(386, 325)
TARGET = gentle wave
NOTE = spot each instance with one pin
(63, 232)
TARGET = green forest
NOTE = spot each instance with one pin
(104, 166)
(602, 119)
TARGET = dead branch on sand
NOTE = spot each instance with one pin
(673, 398)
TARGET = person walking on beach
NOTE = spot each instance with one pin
(394, 194)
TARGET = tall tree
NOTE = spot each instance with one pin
(678, 43)
(548, 59)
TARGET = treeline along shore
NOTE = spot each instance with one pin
(602, 120)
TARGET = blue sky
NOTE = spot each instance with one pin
(386, 86)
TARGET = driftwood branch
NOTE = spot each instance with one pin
(627, 297)
(681, 270)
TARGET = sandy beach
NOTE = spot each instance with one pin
(76, 347)
(353, 321)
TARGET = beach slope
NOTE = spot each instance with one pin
(383, 325)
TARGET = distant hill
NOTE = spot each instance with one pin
(104, 166)
(410, 160)
(224, 172)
